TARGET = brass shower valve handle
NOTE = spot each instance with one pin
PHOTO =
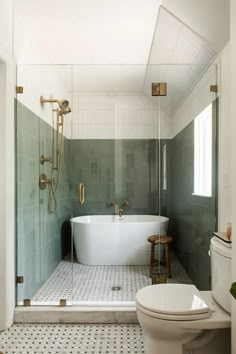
(113, 203)
(126, 203)
(44, 181)
(45, 159)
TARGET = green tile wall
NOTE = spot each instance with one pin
(192, 218)
(39, 238)
(111, 170)
(114, 170)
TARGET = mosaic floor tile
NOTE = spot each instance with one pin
(72, 339)
(81, 284)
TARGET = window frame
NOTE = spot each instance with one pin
(203, 164)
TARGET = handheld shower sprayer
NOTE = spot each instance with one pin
(64, 111)
(56, 169)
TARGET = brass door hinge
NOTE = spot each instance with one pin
(62, 303)
(19, 89)
(26, 302)
(19, 279)
(159, 89)
(214, 88)
(159, 278)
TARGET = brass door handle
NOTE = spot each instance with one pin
(81, 193)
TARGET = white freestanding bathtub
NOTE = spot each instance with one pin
(110, 240)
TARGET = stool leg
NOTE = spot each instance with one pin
(168, 260)
(152, 258)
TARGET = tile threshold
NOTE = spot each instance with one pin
(75, 314)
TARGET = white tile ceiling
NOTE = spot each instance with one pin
(175, 43)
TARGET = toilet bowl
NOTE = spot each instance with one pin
(172, 315)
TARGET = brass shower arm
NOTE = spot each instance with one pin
(49, 100)
(63, 104)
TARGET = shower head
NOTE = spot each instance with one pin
(63, 104)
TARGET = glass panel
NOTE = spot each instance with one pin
(27, 200)
(115, 153)
(133, 153)
(127, 157)
(43, 226)
(193, 218)
(183, 60)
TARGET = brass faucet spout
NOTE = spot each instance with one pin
(120, 212)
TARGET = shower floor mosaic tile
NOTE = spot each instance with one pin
(72, 339)
(81, 284)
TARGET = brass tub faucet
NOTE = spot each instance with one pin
(119, 207)
(120, 212)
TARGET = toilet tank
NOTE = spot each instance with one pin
(221, 254)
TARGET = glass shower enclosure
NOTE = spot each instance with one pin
(128, 149)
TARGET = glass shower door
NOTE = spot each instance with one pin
(27, 200)
(192, 215)
(43, 198)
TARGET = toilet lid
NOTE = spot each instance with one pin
(172, 299)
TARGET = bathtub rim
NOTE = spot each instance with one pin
(75, 220)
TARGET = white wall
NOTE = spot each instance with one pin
(225, 142)
(210, 19)
(123, 116)
(198, 99)
(7, 182)
(49, 81)
(6, 21)
(28, 48)
(233, 137)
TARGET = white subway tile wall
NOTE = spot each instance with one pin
(118, 117)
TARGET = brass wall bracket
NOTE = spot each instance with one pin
(214, 88)
(62, 302)
(19, 89)
(26, 302)
(19, 279)
(159, 89)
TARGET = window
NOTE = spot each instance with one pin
(203, 153)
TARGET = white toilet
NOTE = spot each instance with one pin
(172, 315)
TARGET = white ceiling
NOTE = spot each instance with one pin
(108, 78)
(91, 31)
(120, 42)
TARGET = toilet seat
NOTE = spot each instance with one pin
(176, 302)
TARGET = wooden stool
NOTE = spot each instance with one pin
(160, 240)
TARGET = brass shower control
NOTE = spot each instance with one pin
(45, 159)
(44, 181)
